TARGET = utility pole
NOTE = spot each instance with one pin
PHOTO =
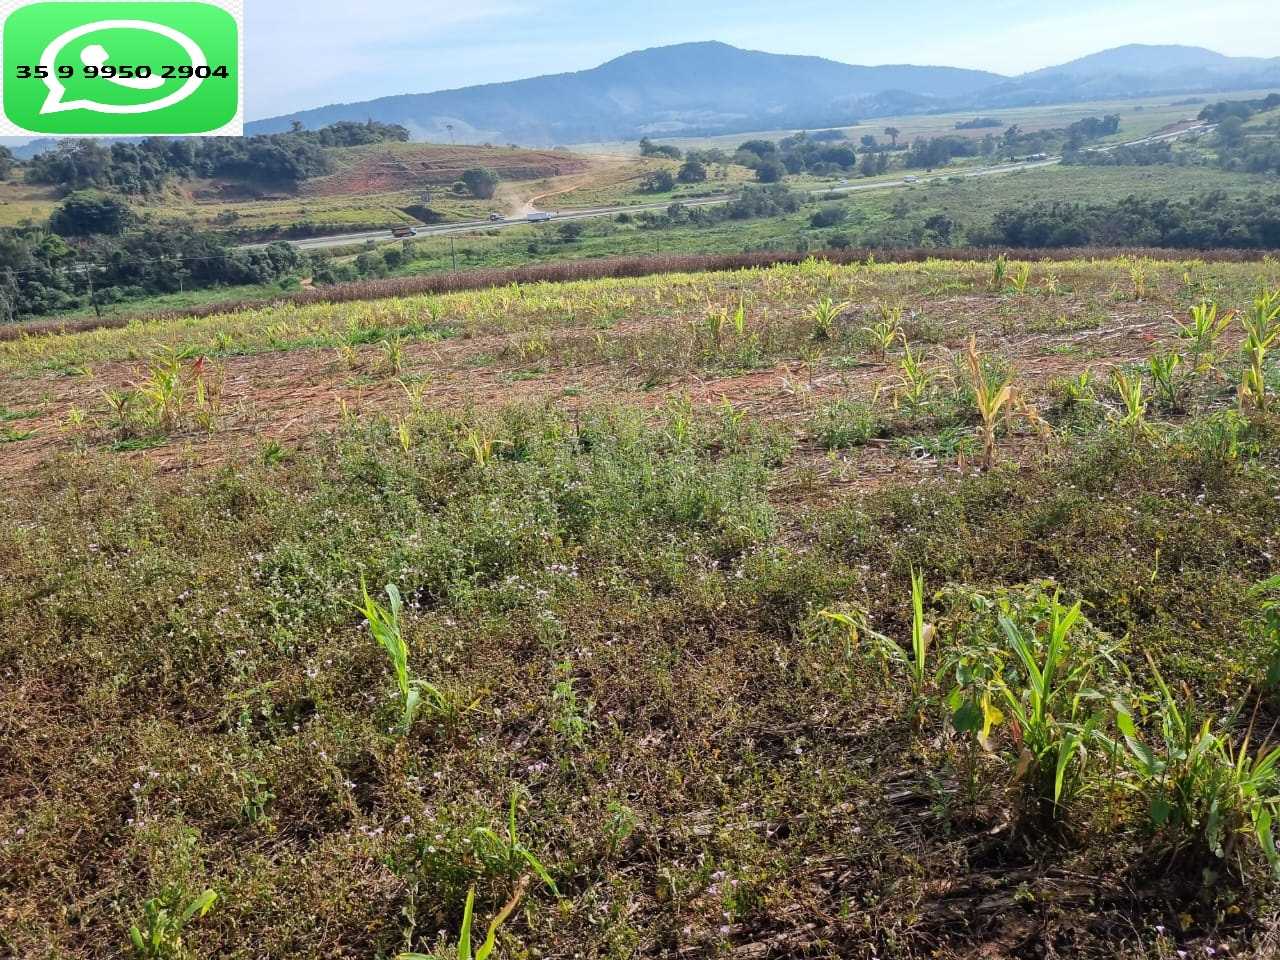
(454, 251)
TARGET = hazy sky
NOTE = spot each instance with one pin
(307, 53)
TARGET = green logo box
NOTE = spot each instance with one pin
(104, 68)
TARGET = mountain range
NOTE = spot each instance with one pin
(698, 89)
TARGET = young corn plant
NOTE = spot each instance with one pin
(1200, 335)
(714, 324)
(824, 315)
(1047, 709)
(486, 948)
(163, 393)
(1201, 790)
(509, 853)
(740, 319)
(480, 448)
(392, 349)
(122, 406)
(915, 380)
(914, 662)
(1020, 279)
(995, 397)
(1138, 275)
(1170, 385)
(886, 331)
(1261, 324)
(384, 624)
(1132, 393)
(999, 272)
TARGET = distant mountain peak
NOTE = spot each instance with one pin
(709, 87)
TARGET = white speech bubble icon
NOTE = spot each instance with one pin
(55, 104)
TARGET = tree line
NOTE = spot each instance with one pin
(146, 166)
(1197, 223)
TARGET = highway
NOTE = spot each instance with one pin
(470, 226)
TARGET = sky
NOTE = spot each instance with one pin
(309, 53)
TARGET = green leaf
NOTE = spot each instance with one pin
(968, 717)
(1160, 810)
(199, 906)
(464, 935)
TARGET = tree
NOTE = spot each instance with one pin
(6, 163)
(481, 181)
(1231, 131)
(650, 149)
(892, 133)
(89, 212)
(828, 216)
(570, 231)
(692, 171)
(659, 181)
(770, 170)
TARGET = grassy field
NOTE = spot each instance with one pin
(1139, 117)
(899, 611)
(20, 202)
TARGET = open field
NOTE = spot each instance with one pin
(372, 187)
(656, 540)
(1139, 117)
(20, 202)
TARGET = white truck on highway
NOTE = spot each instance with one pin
(538, 216)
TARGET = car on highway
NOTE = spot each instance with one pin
(496, 217)
(910, 179)
(403, 232)
(538, 216)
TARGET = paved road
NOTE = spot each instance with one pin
(469, 226)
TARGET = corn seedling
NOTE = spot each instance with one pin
(999, 272)
(714, 324)
(915, 379)
(886, 331)
(159, 936)
(479, 447)
(740, 318)
(914, 661)
(1138, 274)
(1200, 789)
(163, 393)
(995, 396)
(1261, 324)
(485, 950)
(392, 349)
(121, 405)
(1131, 391)
(384, 624)
(1020, 279)
(824, 314)
(1170, 386)
(1077, 390)
(1201, 333)
(1046, 707)
(1049, 286)
(509, 852)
